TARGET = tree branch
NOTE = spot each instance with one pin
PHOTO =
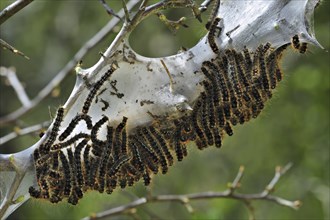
(23, 131)
(10, 74)
(13, 9)
(7, 46)
(227, 194)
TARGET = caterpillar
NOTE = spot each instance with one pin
(211, 35)
(96, 88)
(301, 47)
(86, 165)
(150, 160)
(156, 148)
(44, 148)
(74, 123)
(67, 174)
(213, 14)
(115, 168)
(95, 130)
(163, 144)
(69, 142)
(105, 159)
(78, 164)
(120, 144)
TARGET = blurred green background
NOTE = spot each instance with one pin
(294, 127)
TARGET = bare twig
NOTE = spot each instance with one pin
(67, 68)
(250, 209)
(108, 9)
(236, 183)
(205, 5)
(7, 46)
(23, 131)
(13, 9)
(279, 171)
(127, 17)
(10, 74)
(152, 9)
(172, 25)
(186, 198)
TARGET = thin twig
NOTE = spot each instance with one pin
(10, 74)
(186, 198)
(108, 9)
(23, 131)
(127, 17)
(236, 183)
(152, 9)
(278, 173)
(169, 75)
(7, 46)
(250, 209)
(13, 9)
(205, 5)
(119, 209)
(67, 68)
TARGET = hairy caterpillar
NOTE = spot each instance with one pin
(96, 88)
(74, 123)
(301, 47)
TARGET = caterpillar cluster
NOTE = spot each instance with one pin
(235, 88)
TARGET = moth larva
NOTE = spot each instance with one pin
(228, 129)
(96, 88)
(163, 144)
(195, 116)
(149, 156)
(177, 143)
(73, 199)
(105, 159)
(136, 156)
(204, 120)
(86, 164)
(69, 142)
(146, 178)
(74, 123)
(67, 174)
(118, 146)
(157, 149)
(213, 14)
(295, 42)
(53, 133)
(77, 159)
(211, 35)
(117, 165)
(96, 129)
(217, 137)
(303, 48)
